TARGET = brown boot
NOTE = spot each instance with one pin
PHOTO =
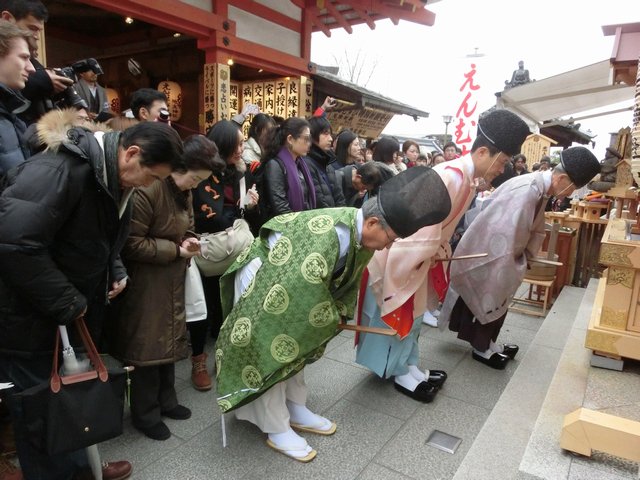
(199, 375)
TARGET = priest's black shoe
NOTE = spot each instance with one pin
(424, 392)
(497, 360)
(159, 431)
(178, 412)
(437, 377)
(510, 350)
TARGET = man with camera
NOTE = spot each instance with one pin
(87, 71)
(43, 84)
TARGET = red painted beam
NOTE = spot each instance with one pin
(338, 17)
(364, 16)
(253, 54)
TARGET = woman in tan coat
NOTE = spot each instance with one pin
(150, 330)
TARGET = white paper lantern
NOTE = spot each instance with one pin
(173, 91)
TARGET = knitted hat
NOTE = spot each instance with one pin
(504, 130)
(414, 199)
(580, 164)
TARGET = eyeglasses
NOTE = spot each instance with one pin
(304, 138)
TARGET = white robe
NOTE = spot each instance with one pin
(510, 228)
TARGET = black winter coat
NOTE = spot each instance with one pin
(211, 212)
(328, 190)
(60, 236)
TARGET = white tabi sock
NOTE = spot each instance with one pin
(301, 415)
(496, 347)
(418, 374)
(407, 381)
(291, 439)
(487, 354)
(429, 319)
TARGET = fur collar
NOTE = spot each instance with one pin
(53, 126)
(240, 165)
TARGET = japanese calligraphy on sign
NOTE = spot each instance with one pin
(269, 99)
(293, 97)
(467, 113)
(234, 102)
(535, 147)
(306, 96)
(210, 96)
(224, 79)
(367, 122)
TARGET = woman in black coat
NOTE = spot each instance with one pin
(216, 205)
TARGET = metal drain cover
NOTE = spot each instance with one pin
(444, 441)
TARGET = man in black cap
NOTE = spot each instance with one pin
(406, 280)
(510, 228)
(290, 289)
(88, 88)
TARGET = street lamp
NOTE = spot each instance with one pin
(447, 120)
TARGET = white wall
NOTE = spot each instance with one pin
(263, 32)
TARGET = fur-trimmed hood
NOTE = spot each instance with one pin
(52, 130)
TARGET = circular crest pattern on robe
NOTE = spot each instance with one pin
(291, 307)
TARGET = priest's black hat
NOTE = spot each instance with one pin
(504, 130)
(580, 165)
(414, 199)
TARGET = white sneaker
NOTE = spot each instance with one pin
(435, 313)
(429, 319)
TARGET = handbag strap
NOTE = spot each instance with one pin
(243, 191)
(99, 369)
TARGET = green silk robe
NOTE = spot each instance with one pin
(292, 306)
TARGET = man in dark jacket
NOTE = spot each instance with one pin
(15, 68)
(319, 158)
(64, 216)
(44, 83)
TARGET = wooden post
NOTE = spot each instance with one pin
(585, 430)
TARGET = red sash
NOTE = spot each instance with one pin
(439, 280)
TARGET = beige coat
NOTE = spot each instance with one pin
(150, 326)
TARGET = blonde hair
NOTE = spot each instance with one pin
(9, 31)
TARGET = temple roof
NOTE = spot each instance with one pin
(330, 14)
(355, 96)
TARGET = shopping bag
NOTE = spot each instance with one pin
(194, 303)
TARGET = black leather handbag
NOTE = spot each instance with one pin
(71, 412)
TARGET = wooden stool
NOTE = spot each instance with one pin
(544, 286)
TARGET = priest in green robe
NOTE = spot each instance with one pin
(285, 295)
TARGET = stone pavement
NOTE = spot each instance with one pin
(382, 434)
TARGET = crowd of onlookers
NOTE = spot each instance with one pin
(100, 221)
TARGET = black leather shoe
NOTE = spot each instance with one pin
(424, 392)
(437, 377)
(497, 360)
(179, 412)
(510, 350)
(159, 431)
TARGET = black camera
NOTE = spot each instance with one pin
(69, 97)
(164, 116)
